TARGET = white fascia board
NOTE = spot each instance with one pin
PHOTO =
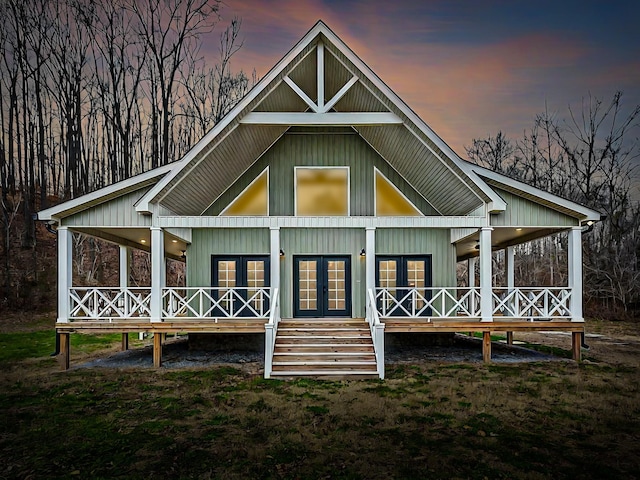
(143, 204)
(106, 193)
(586, 213)
(321, 119)
(496, 203)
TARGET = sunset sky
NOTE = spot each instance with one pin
(468, 68)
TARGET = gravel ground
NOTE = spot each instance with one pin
(176, 354)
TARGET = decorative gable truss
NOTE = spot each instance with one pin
(321, 113)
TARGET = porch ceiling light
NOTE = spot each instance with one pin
(184, 254)
(174, 240)
(143, 240)
(518, 229)
(589, 223)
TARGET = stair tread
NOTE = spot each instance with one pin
(319, 362)
(306, 373)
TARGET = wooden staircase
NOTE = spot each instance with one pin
(324, 347)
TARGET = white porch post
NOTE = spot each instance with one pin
(471, 271)
(575, 273)
(65, 270)
(158, 265)
(275, 258)
(124, 266)
(509, 257)
(370, 259)
(486, 291)
(124, 283)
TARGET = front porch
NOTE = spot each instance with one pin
(245, 310)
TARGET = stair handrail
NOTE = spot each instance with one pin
(377, 331)
(271, 331)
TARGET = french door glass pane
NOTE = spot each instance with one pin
(307, 285)
(255, 281)
(388, 280)
(336, 287)
(415, 279)
(226, 281)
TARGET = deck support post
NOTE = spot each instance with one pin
(486, 347)
(158, 267)
(65, 270)
(64, 350)
(157, 350)
(486, 291)
(125, 341)
(370, 258)
(575, 273)
(576, 344)
(274, 258)
(509, 338)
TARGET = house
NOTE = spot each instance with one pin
(321, 212)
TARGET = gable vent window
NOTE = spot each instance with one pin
(390, 201)
(322, 191)
(253, 200)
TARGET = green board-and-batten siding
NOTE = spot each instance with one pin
(422, 241)
(316, 241)
(521, 212)
(224, 241)
(334, 147)
(119, 212)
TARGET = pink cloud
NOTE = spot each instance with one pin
(462, 90)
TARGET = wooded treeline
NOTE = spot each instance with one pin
(95, 91)
(588, 155)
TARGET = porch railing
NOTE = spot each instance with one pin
(89, 303)
(113, 303)
(533, 303)
(450, 302)
(377, 331)
(216, 302)
(271, 332)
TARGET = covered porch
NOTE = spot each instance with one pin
(159, 309)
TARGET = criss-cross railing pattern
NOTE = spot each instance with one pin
(216, 302)
(532, 303)
(454, 302)
(89, 303)
(448, 302)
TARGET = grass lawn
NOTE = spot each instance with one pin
(548, 420)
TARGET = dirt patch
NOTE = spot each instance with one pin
(177, 354)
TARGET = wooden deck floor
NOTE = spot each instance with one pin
(244, 325)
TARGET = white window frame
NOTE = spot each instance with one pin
(311, 167)
(375, 194)
(222, 213)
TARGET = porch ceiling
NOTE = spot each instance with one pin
(502, 237)
(139, 238)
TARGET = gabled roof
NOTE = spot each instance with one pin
(104, 194)
(287, 96)
(568, 207)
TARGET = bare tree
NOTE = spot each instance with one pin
(588, 158)
(168, 28)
